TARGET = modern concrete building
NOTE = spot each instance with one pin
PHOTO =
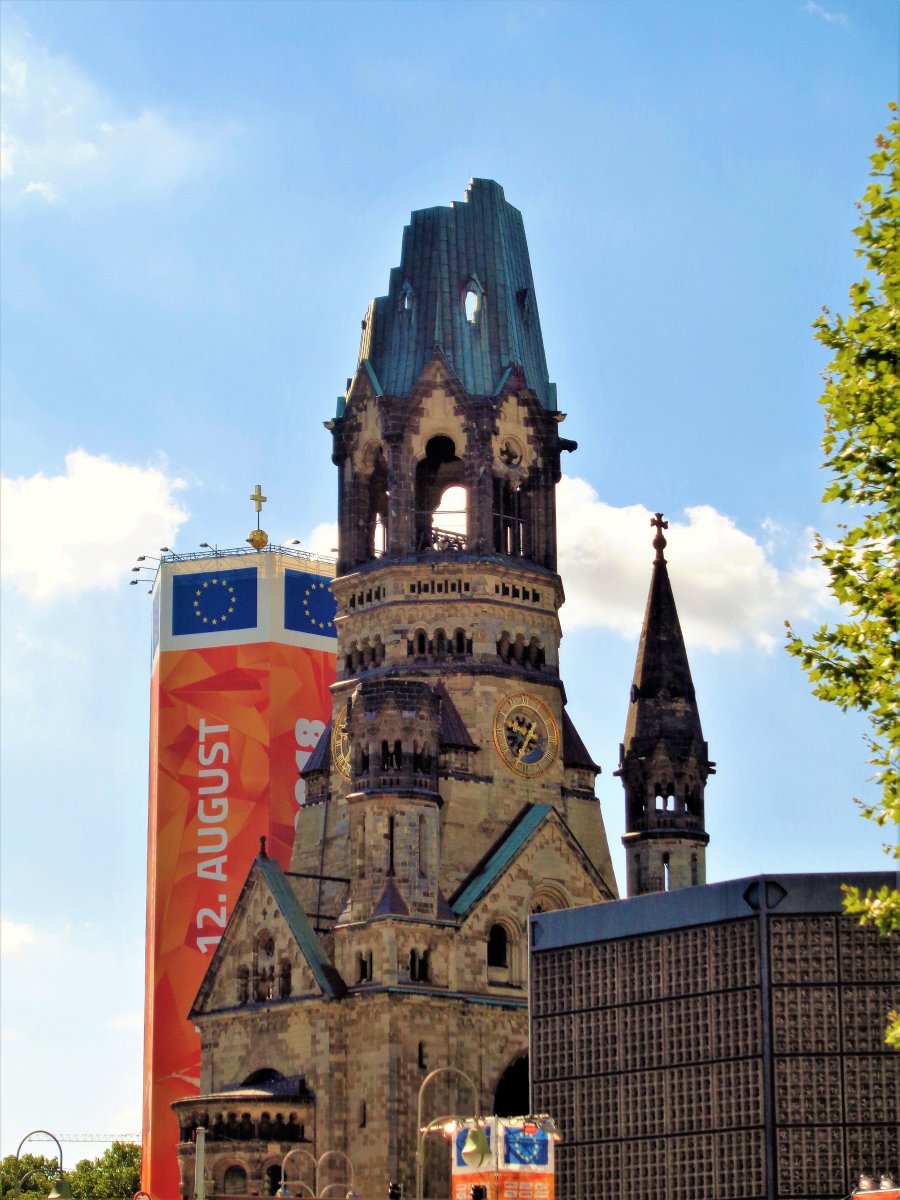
(723, 1042)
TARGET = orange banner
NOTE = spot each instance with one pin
(230, 728)
(505, 1185)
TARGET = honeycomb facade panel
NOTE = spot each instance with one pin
(803, 950)
(864, 1015)
(737, 1088)
(866, 956)
(735, 1053)
(805, 1020)
(808, 1089)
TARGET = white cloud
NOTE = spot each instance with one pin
(70, 533)
(14, 936)
(42, 189)
(816, 10)
(728, 590)
(64, 139)
(322, 540)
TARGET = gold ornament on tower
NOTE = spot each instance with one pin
(258, 538)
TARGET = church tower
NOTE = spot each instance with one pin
(450, 796)
(663, 762)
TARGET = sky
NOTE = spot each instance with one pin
(199, 201)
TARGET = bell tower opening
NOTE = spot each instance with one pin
(376, 526)
(440, 483)
(511, 1099)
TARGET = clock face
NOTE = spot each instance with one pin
(525, 734)
(340, 746)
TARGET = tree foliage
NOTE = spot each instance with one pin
(115, 1175)
(856, 662)
(34, 1172)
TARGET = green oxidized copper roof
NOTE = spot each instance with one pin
(325, 974)
(476, 246)
(500, 858)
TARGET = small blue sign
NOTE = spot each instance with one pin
(214, 601)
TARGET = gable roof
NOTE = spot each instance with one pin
(326, 976)
(490, 868)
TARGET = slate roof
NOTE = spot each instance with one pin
(479, 243)
(320, 759)
(453, 730)
(500, 857)
(391, 903)
(575, 753)
(663, 702)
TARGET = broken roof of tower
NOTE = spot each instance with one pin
(463, 285)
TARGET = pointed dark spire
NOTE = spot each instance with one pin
(664, 763)
(663, 702)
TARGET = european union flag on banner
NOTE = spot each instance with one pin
(523, 1149)
(308, 603)
(214, 601)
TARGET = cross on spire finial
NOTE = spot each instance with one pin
(659, 542)
(258, 498)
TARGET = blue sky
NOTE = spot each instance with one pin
(200, 199)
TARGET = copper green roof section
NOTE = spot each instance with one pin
(499, 859)
(464, 285)
(325, 974)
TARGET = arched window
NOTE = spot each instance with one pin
(509, 518)
(234, 1182)
(376, 529)
(284, 978)
(473, 300)
(439, 472)
(264, 967)
(498, 947)
(272, 1180)
(548, 898)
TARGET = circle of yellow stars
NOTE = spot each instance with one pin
(227, 600)
(312, 620)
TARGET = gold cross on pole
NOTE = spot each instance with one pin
(258, 498)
